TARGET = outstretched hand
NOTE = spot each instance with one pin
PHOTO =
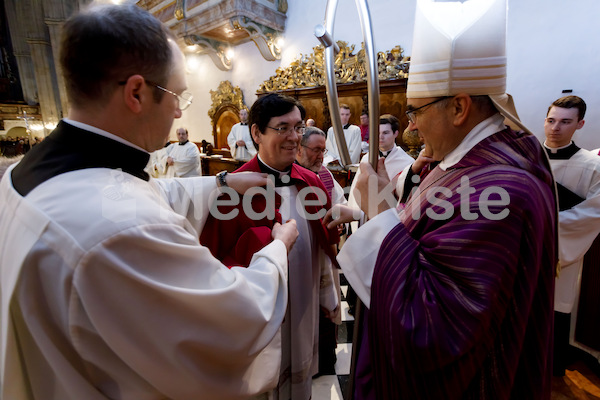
(242, 181)
(340, 214)
(374, 189)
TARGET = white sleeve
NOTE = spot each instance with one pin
(190, 197)
(354, 144)
(206, 320)
(331, 145)
(578, 228)
(231, 139)
(189, 162)
(359, 253)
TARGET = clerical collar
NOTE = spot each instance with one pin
(69, 148)
(101, 132)
(184, 143)
(347, 126)
(243, 123)
(282, 178)
(384, 153)
(561, 153)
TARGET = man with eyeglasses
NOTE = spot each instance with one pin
(106, 290)
(184, 156)
(276, 124)
(310, 155)
(458, 282)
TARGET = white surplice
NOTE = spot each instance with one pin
(241, 132)
(578, 226)
(106, 293)
(186, 159)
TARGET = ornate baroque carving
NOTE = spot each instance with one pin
(225, 94)
(308, 70)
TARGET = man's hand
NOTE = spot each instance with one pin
(374, 189)
(287, 233)
(170, 161)
(422, 160)
(340, 214)
(240, 143)
(332, 315)
(242, 181)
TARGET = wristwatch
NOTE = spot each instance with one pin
(221, 181)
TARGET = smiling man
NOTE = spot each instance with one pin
(276, 125)
(577, 173)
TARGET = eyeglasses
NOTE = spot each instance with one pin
(284, 130)
(316, 149)
(412, 114)
(185, 99)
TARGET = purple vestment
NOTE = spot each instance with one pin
(461, 308)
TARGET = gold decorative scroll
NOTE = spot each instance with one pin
(308, 70)
(225, 94)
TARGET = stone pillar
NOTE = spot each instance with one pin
(44, 76)
(55, 27)
(21, 51)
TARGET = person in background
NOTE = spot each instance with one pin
(352, 135)
(240, 143)
(577, 174)
(106, 291)
(184, 157)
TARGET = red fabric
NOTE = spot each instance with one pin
(234, 241)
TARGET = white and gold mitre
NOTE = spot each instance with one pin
(460, 47)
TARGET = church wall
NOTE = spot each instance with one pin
(549, 47)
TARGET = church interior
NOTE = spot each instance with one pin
(238, 50)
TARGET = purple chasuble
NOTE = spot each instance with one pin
(461, 306)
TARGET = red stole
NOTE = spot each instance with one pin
(234, 241)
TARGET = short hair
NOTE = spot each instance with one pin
(346, 106)
(364, 112)
(308, 132)
(390, 119)
(106, 44)
(570, 102)
(269, 106)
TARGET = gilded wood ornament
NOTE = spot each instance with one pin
(225, 94)
(308, 70)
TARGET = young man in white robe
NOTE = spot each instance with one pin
(577, 174)
(396, 159)
(184, 156)
(239, 141)
(106, 291)
(351, 134)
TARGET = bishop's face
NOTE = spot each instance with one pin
(279, 150)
